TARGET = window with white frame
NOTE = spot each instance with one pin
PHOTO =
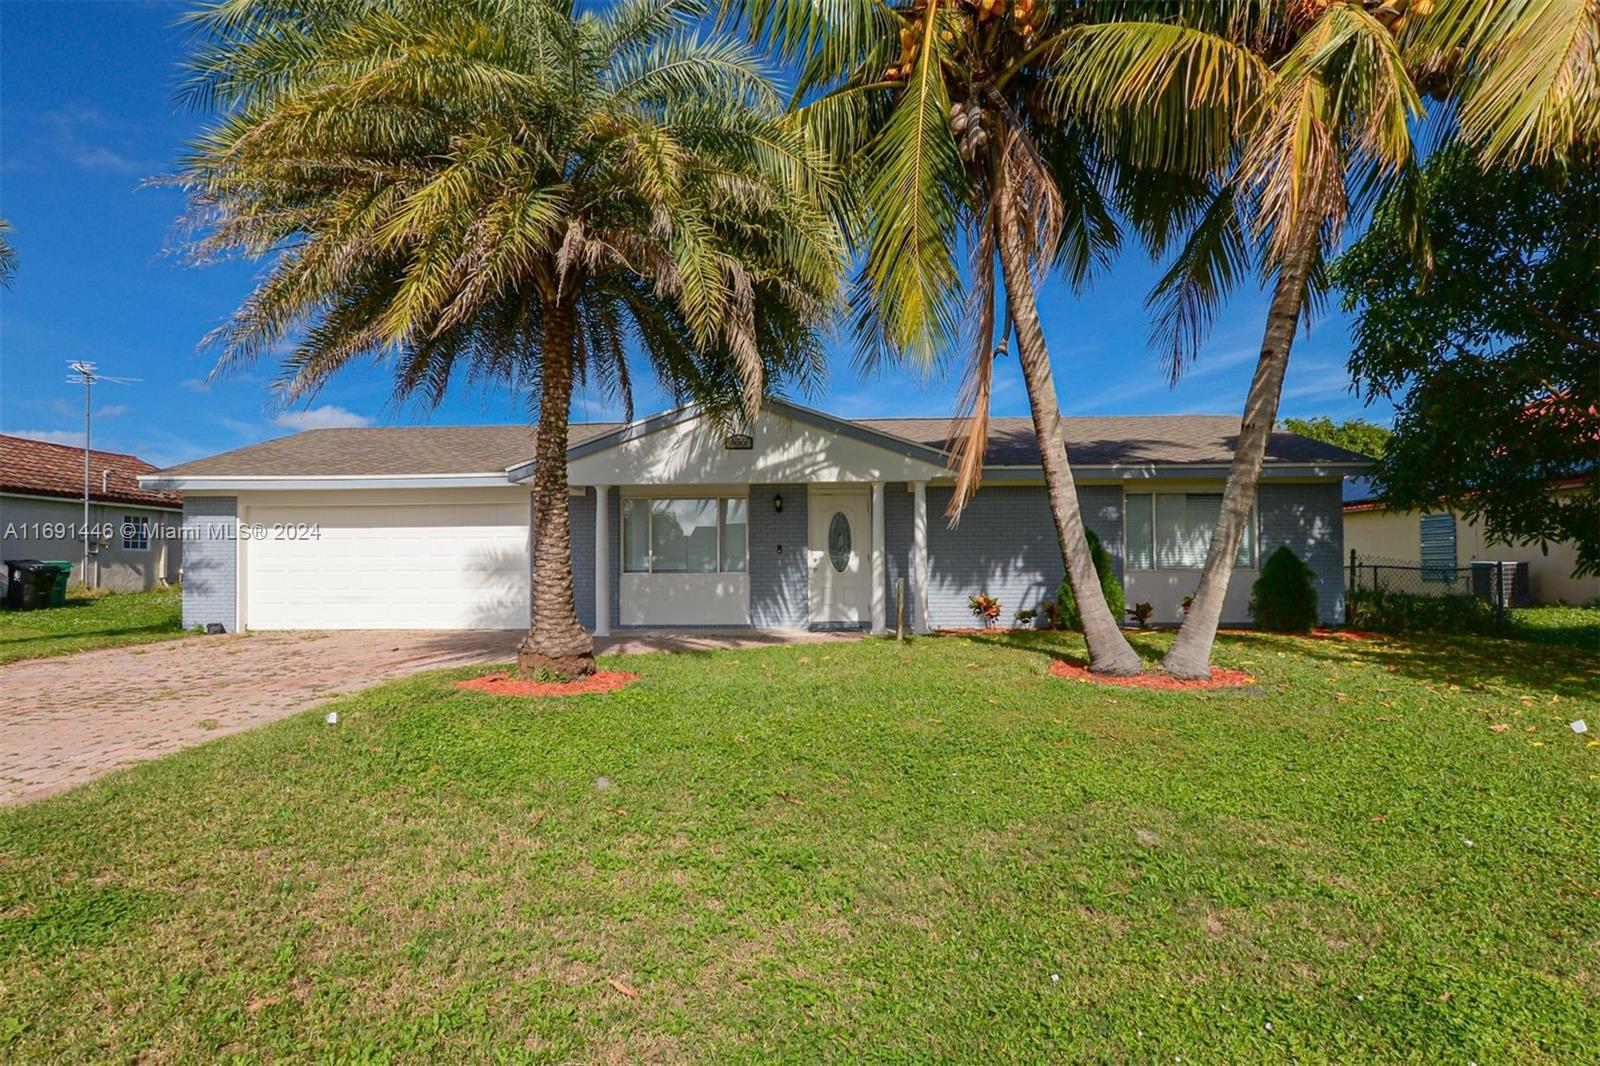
(685, 536)
(135, 533)
(1172, 531)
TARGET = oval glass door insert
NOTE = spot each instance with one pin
(839, 541)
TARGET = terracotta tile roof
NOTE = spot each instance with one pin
(39, 468)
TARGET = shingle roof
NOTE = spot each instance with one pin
(425, 450)
(39, 468)
(379, 452)
(1121, 440)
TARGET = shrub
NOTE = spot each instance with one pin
(1140, 613)
(985, 608)
(1403, 612)
(1025, 616)
(1283, 599)
(1109, 584)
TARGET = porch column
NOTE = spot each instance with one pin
(602, 561)
(879, 612)
(919, 555)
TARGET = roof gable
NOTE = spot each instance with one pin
(787, 443)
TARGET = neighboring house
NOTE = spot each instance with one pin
(1446, 540)
(803, 520)
(41, 514)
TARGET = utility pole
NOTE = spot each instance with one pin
(86, 375)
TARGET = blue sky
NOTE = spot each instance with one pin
(88, 114)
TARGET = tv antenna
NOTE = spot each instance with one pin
(87, 375)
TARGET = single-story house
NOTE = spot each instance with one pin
(801, 520)
(41, 514)
(1450, 541)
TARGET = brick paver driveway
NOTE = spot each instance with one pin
(67, 720)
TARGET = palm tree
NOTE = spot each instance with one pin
(947, 110)
(510, 191)
(8, 255)
(1331, 124)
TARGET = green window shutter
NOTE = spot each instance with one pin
(1438, 547)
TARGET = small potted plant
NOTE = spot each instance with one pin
(1141, 613)
(1024, 617)
(985, 608)
(1188, 602)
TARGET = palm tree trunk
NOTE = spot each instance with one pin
(556, 644)
(1190, 654)
(1109, 650)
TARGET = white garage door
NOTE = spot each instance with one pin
(415, 566)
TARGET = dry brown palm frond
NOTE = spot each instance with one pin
(969, 428)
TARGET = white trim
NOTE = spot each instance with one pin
(602, 561)
(240, 589)
(879, 607)
(691, 452)
(919, 554)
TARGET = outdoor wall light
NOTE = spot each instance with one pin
(777, 502)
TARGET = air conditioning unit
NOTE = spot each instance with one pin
(1510, 589)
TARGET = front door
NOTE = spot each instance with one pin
(839, 540)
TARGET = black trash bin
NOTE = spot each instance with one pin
(28, 584)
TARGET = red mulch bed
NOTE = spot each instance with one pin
(1319, 634)
(506, 685)
(1220, 678)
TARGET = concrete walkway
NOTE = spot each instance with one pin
(69, 719)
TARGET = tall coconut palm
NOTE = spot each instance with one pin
(1333, 122)
(946, 110)
(513, 192)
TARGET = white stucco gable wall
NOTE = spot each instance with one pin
(785, 449)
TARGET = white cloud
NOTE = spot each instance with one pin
(76, 134)
(195, 385)
(112, 410)
(73, 437)
(328, 416)
(238, 426)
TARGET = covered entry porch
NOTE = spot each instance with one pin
(682, 524)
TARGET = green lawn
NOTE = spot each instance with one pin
(102, 621)
(845, 852)
(1577, 627)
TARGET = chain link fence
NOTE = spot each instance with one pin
(1391, 590)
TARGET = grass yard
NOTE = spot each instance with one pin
(1576, 627)
(1382, 853)
(100, 621)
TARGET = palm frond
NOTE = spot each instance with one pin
(916, 189)
(1184, 302)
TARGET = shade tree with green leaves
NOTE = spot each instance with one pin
(1352, 434)
(1490, 349)
(511, 193)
